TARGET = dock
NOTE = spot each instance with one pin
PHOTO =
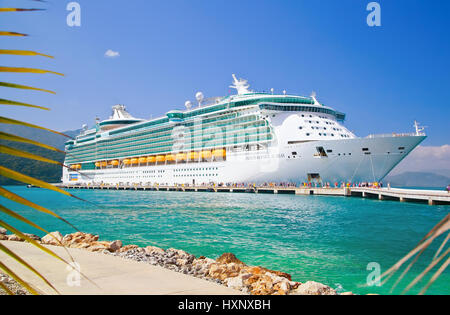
(431, 197)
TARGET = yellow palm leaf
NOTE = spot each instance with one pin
(6, 172)
(5, 120)
(25, 87)
(10, 137)
(18, 10)
(10, 253)
(19, 153)
(6, 33)
(8, 102)
(18, 279)
(16, 198)
(27, 70)
(18, 217)
(22, 53)
(5, 288)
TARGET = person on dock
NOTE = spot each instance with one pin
(448, 188)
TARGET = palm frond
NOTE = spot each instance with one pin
(23, 154)
(5, 120)
(6, 289)
(11, 137)
(19, 10)
(9, 102)
(27, 70)
(13, 275)
(17, 258)
(22, 53)
(442, 227)
(24, 87)
(6, 33)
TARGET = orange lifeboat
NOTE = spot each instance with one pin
(160, 158)
(151, 159)
(192, 156)
(134, 161)
(104, 164)
(170, 157)
(97, 164)
(142, 160)
(181, 157)
(126, 162)
(206, 154)
(219, 153)
(115, 163)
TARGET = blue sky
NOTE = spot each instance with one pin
(383, 77)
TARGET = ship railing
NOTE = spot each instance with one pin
(390, 135)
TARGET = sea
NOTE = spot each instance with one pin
(342, 242)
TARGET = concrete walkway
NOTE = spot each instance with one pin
(112, 275)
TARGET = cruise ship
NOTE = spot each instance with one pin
(248, 137)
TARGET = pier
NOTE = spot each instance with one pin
(431, 197)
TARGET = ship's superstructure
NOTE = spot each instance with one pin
(245, 138)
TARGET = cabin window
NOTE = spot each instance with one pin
(365, 149)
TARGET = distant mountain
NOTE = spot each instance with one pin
(43, 171)
(418, 179)
(39, 135)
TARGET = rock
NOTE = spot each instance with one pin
(49, 239)
(313, 288)
(33, 237)
(128, 248)
(3, 237)
(227, 258)
(14, 238)
(98, 246)
(115, 246)
(3, 231)
(72, 240)
(153, 250)
(223, 271)
(235, 282)
(347, 293)
(262, 286)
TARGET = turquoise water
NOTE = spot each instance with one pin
(326, 239)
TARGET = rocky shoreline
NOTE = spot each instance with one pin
(226, 270)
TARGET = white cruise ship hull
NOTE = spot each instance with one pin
(351, 161)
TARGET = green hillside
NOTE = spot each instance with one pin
(43, 171)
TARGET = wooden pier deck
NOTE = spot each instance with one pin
(432, 197)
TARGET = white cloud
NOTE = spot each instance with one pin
(426, 159)
(111, 54)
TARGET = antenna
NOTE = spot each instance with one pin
(199, 96)
(313, 96)
(419, 129)
(188, 105)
